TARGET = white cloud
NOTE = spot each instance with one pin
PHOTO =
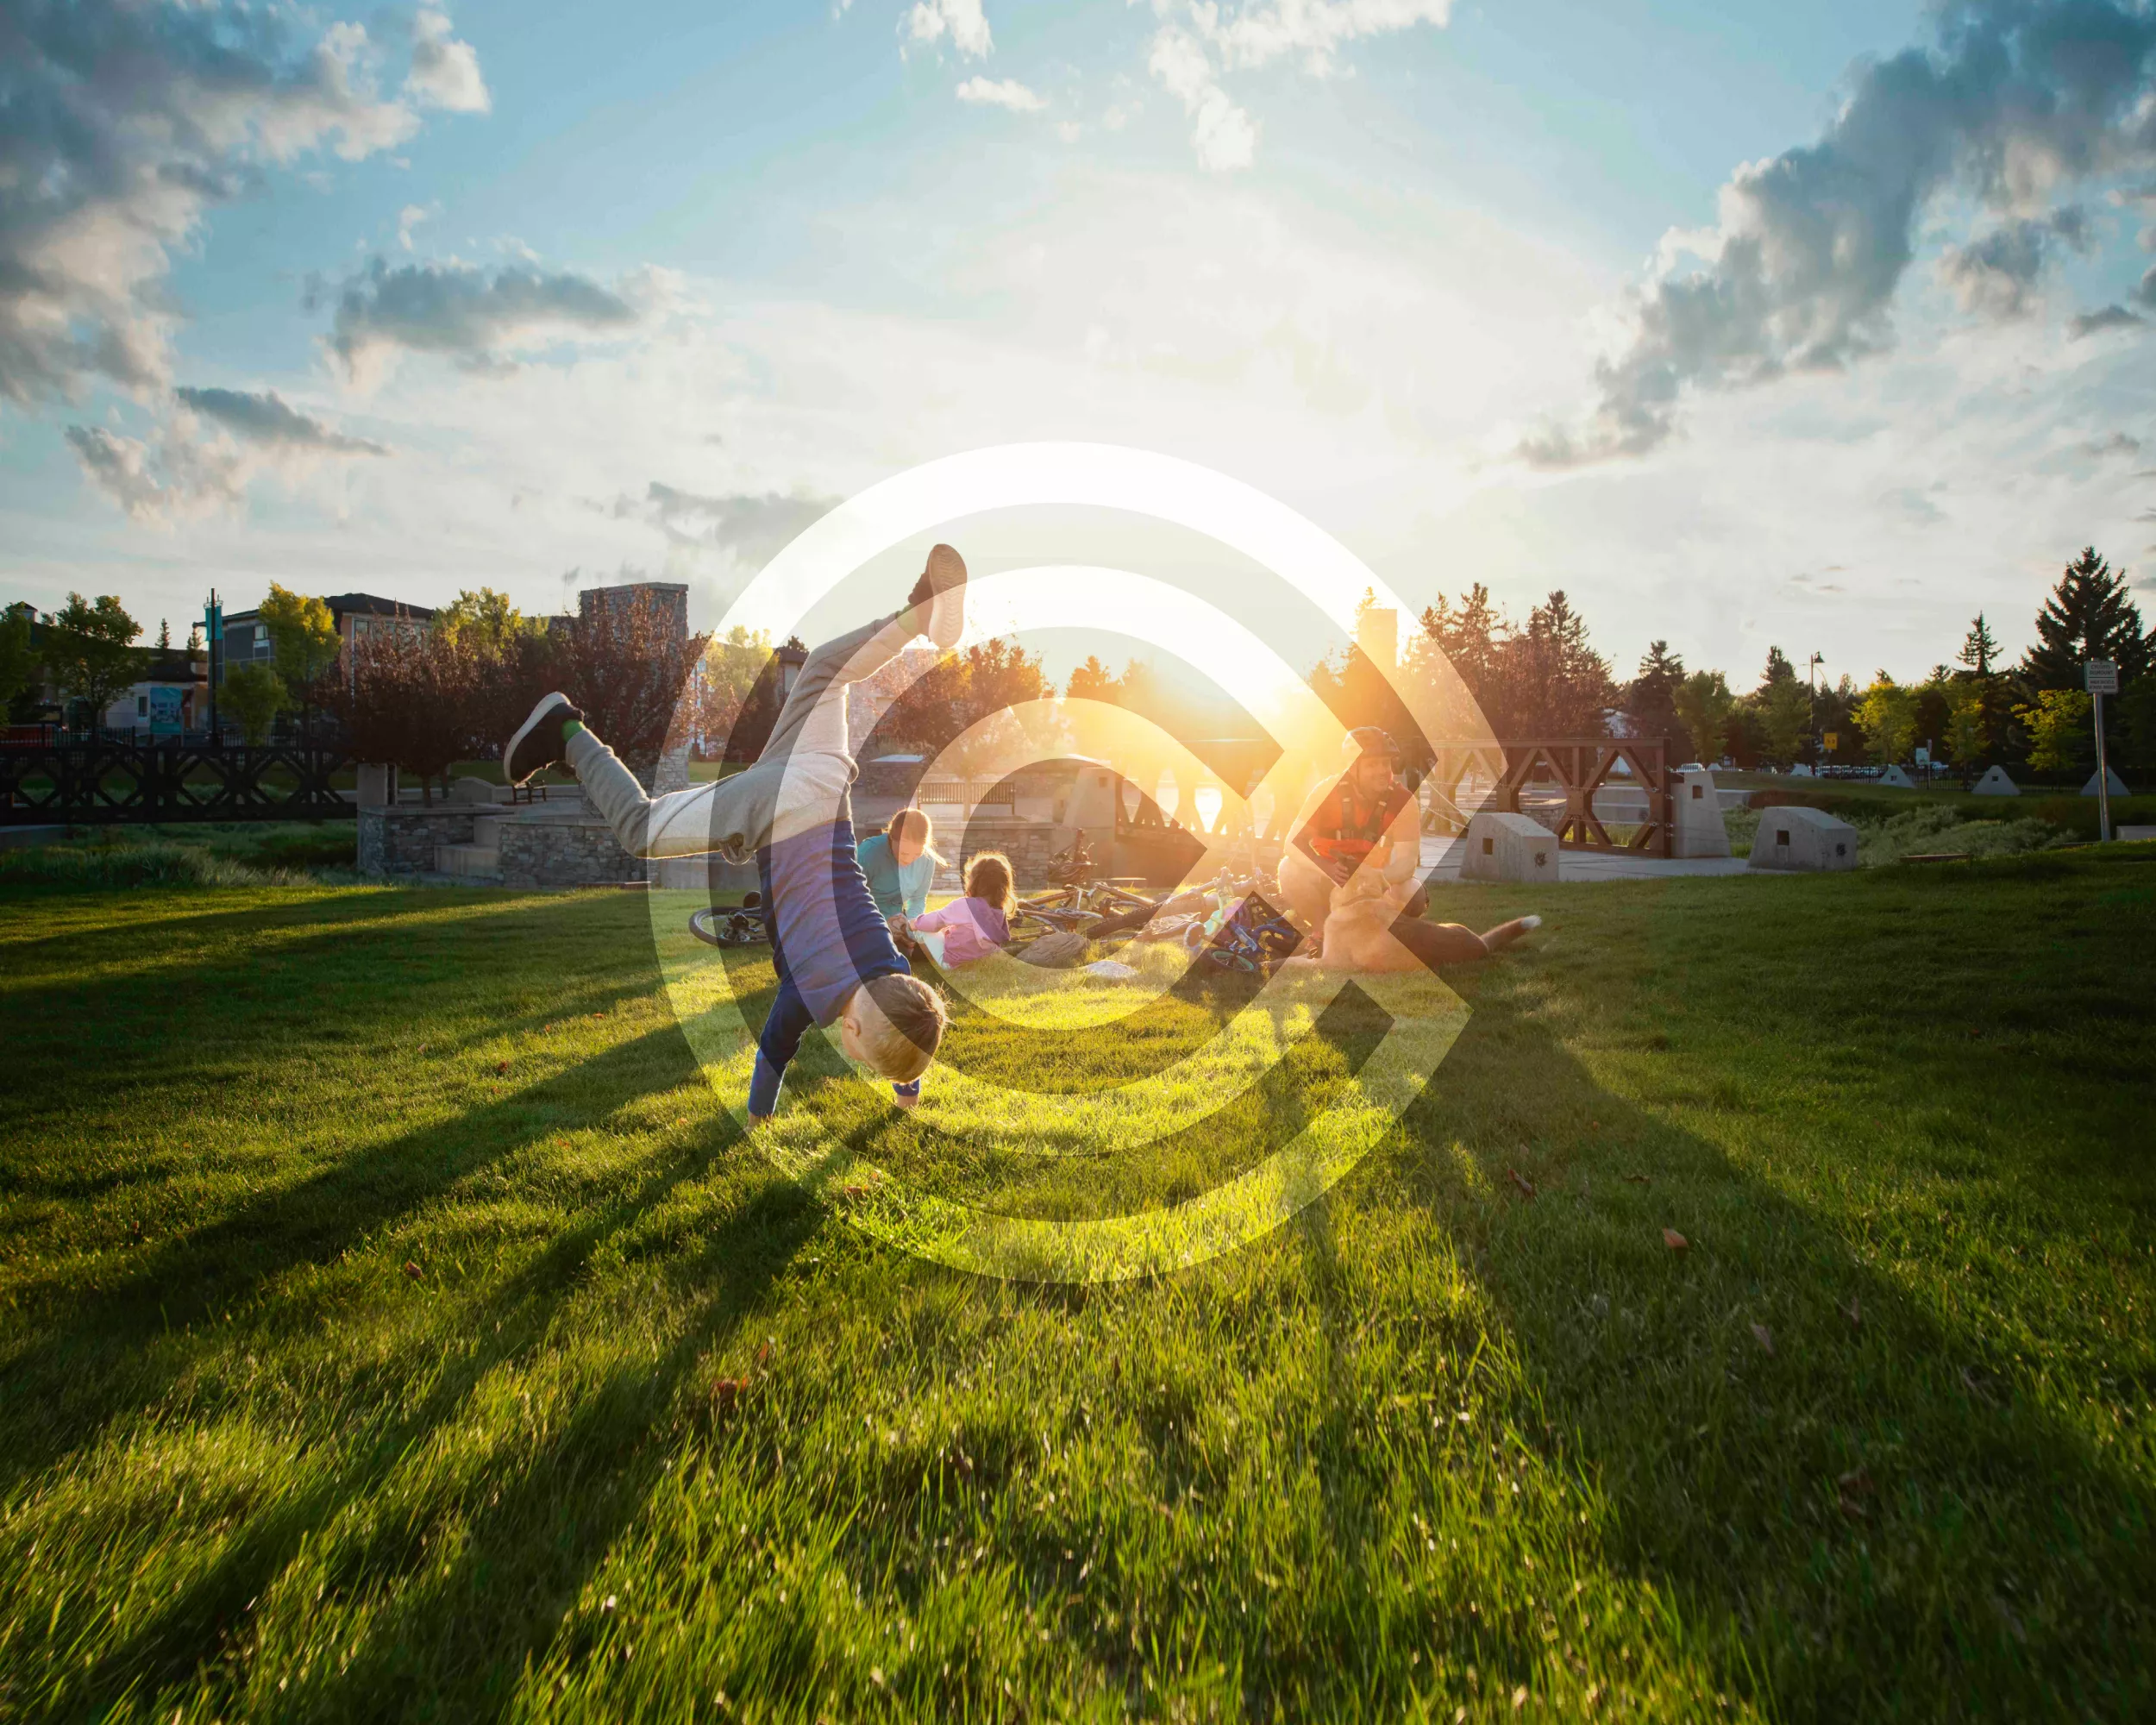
(128, 121)
(1195, 33)
(211, 444)
(1316, 29)
(445, 72)
(963, 21)
(1224, 136)
(409, 217)
(1002, 93)
(2012, 106)
(465, 313)
(1996, 275)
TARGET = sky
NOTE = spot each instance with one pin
(1822, 328)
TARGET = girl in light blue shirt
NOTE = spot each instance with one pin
(899, 863)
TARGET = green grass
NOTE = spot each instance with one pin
(645, 1424)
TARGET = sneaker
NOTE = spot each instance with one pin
(942, 587)
(540, 740)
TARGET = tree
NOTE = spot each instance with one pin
(1968, 723)
(1471, 634)
(1887, 713)
(1933, 714)
(627, 665)
(164, 635)
(302, 645)
(1778, 670)
(419, 701)
(1784, 707)
(1703, 705)
(2089, 615)
(254, 694)
(2136, 708)
(1979, 649)
(2059, 729)
(1559, 685)
(725, 681)
(18, 659)
(1091, 680)
(487, 620)
(1650, 702)
(87, 645)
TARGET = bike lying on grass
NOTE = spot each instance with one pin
(738, 924)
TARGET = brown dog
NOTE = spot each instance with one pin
(1367, 929)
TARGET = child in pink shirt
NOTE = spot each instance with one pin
(978, 924)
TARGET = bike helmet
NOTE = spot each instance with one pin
(1371, 739)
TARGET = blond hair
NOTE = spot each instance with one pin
(988, 877)
(900, 1036)
(893, 828)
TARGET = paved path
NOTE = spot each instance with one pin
(1441, 861)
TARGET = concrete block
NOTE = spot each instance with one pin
(2116, 784)
(2133, 835)
(377, 785)
(466, 788)
(1510, 847)
(1894, 776)
(1802, 839)
(1700, 831)
(1995, 783)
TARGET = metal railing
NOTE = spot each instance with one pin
(103, 783)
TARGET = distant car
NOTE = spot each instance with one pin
(1691, 766)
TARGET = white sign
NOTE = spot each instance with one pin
(1923, 757)
(2100, 676)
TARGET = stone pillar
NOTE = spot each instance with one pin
(1700, 831)
(378, 785)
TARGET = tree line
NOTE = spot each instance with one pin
(1544, 678)
(425, 697)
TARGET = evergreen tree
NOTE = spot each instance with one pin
(1979, 649)
(1471, 634)
(1565, 683)
(1783, 710)
(2088, 616)
(1778, 670)
(1703, 705)
(1651, 701)
(19, 666)
(1091, 680)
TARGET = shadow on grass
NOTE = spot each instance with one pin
(585, 1464)
(1857, 1512)
(453, 1644)
(118, 1348)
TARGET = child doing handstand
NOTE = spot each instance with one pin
(790, 811)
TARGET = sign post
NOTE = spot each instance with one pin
(2101, 677)
(213, 632)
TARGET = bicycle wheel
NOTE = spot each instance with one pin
(705, 925)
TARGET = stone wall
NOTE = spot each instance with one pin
(401, 840)
(564, 844)
(1028, 844)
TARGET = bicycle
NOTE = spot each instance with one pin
(741, 924)
(1080, 896)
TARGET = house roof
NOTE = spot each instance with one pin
(367, 605)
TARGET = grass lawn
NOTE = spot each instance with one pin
(394, 1323)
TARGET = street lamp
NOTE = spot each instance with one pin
(1811, 670)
